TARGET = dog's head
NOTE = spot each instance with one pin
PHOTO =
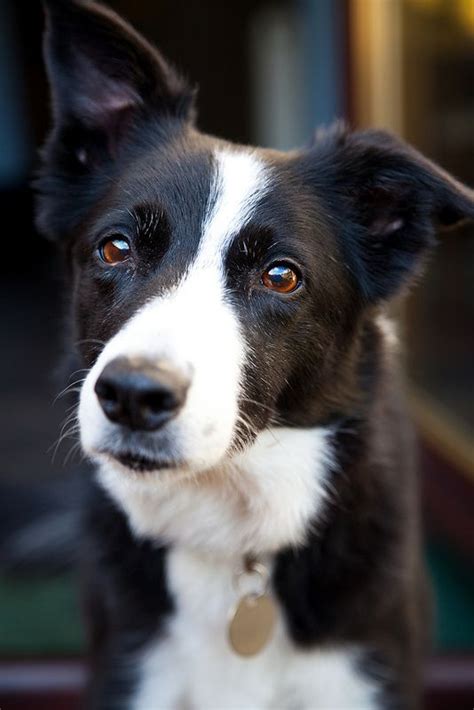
(218, 289)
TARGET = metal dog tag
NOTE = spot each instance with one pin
(252, 624)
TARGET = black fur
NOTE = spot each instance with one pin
(126, 596)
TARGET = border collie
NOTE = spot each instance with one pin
(251, 537)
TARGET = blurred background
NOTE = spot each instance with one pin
(269, 72)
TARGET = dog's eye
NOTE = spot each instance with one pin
(114, 251)
(281, 277)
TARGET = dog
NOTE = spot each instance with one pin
(251, 537)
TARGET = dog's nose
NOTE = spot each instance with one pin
(139, 394)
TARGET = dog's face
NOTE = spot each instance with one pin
(207, 302)
(222, 289)
(218, 289)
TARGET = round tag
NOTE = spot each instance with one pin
(252, 624)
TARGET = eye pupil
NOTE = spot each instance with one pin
(281, 278)
(114, 251)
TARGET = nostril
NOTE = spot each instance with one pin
(108, 396)
(106, 391)
(158, 401)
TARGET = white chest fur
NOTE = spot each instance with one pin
(256, 502)
(192, 667)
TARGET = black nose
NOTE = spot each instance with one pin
(140, 394)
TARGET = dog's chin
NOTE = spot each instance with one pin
(145, 464)
(145, 467)
(138, 463)
(139, 459)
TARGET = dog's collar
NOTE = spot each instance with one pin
(252, 620)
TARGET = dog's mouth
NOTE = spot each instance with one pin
(141, 463)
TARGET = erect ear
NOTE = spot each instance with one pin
(387, 201)
(104, 78)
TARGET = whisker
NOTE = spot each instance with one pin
(70, 426)
(70, 388)
(76, 372)
(75, 448)
(92, 341)
(66, 435)
(257, 404)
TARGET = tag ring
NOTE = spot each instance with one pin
(253, 570)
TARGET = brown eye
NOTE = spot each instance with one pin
(114, 251)
(281, 277)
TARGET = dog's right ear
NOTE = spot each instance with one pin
(104, 78)
(386, 202)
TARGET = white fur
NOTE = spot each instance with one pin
(194, 668)
(258, 501)
(194, 329)
(388, 328)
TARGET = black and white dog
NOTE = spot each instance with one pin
(241, 401)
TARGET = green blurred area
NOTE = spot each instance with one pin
(42, 618)
(453, 583)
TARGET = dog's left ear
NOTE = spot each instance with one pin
(105, 78)
(386, 202)
(100, 68)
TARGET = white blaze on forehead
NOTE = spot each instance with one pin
(194, 328)
(239, 182)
